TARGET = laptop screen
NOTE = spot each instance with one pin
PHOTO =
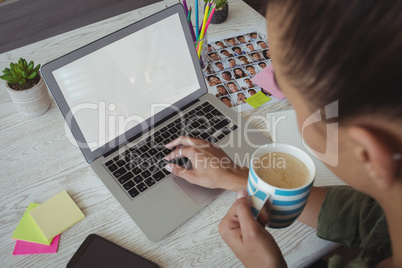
(122, 84)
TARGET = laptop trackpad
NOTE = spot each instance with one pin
(197, 193)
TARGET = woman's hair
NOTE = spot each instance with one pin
(343, 50)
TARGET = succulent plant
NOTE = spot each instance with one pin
(219, 3)
(20, 72)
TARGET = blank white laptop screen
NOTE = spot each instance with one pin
(114, 88)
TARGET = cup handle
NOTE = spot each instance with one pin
(259, 202)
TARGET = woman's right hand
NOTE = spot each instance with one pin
(248, 239)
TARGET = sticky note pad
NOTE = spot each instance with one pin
(26, 248)
(257, 99)
(56, 215)
(27, 230)
(266, 80)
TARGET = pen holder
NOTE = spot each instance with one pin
(201, 47)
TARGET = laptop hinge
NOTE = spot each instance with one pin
(149, 128)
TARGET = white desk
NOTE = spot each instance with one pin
(38, 161)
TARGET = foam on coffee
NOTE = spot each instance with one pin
(282, 170)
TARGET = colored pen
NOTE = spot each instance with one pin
(204, 21)
(210, 16)
(196, 19)
(189, 15)
(210, 9)
(191, 25)
(185, 7)
(204, 29)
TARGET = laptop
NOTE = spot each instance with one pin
(126, 95)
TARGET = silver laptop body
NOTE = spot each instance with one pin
(118, 91)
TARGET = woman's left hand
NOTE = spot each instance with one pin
(211, 166)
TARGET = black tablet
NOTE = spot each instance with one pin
(97, 251)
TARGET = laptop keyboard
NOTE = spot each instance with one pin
(141, 166)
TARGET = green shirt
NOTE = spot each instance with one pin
(353, 218)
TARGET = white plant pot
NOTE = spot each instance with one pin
(33, 101)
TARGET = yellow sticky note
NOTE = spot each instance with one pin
(56, 215)
(27, 230)
(257, 99)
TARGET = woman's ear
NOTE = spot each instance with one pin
(375, 150)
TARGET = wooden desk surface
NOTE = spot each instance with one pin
(38, 161)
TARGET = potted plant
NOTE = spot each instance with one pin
(26, 87)
(221, 10)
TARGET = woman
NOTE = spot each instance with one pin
(320, 53)
(239, 73)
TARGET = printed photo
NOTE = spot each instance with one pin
(262, 64)
(219, 66)
(251, 69)
(239, 73)
(244, 59)
(214, 56)
(254, 36)
(226, 76)
(243, 39)
(220, 90)
(251, 48)
(228, 101)
(225, 53)
(211, 48)
(240, 97)
(233, 62)
(246, 83)
(231, 42)
(252, 91)
(220, 45)
(237, 51)
(256, 56)
(213, 80)
(208, 70)
(262, 45)
(232, 87)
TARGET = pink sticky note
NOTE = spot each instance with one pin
(27, 248)
(265, 79)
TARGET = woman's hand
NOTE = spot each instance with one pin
(248, 239)
(211, 166)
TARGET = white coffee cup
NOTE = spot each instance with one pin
(285, 205)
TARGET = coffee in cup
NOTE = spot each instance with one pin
(281, 170)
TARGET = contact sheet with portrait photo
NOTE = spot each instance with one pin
(232, 62)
